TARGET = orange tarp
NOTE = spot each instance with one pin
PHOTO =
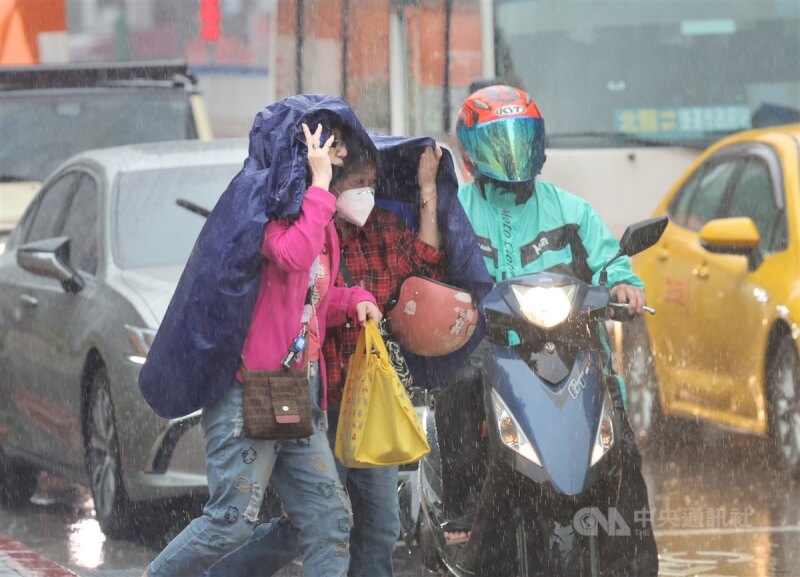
(21, 21)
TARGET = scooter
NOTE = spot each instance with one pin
(549, 503)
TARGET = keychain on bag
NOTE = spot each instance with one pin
(298, 346)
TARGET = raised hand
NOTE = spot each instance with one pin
(319, 161)
(428, 167)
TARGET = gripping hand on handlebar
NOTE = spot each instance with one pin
(632, 296)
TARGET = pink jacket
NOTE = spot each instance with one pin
(290, 249)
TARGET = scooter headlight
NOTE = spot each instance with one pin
(510, 432)
(545, 306)
(605, 432)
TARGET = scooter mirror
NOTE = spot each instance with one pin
(637, 237)
(642, 235)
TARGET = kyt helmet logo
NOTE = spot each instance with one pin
(509, 110)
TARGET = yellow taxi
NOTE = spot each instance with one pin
(725, 281)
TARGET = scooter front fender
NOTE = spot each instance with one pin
(560, 422)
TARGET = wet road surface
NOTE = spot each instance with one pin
(720, 509)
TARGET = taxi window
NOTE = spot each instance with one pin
(679, 208)
(705, 202)
(753, 197)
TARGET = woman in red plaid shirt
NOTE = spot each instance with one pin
(378, 256)
(381, 254)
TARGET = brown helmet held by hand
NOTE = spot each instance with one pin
(431, 318)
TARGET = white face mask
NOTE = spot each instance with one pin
(355, 204)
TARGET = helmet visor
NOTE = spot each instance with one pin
(508, 149)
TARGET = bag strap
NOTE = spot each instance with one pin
(243, 366)
(374, 340)
(346, 275)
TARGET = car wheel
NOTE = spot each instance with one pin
(783, 373)
(103, 459)
(644, 413)
(17, 482)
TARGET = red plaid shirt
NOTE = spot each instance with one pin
(379, 256)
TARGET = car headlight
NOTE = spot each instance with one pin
(605, 432)
(545, 306)
(510, 432)
(141, 339)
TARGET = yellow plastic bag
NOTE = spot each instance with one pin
(378, 425)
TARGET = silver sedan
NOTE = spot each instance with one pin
(85, 280)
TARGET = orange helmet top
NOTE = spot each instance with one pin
(501, 134)
(494, 103)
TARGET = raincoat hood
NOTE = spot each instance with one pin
(197, 349)
(277, 157)
(399, 161)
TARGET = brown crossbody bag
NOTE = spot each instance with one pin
(276, 405)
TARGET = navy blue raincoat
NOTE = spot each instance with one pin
(399, 161)
(196, 352)
(197, 349)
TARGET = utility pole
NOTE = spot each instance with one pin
(345, 45)
(487, 38)
(300, 33)
(448, 13)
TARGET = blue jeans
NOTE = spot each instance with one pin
(376, 528)
(302, 471)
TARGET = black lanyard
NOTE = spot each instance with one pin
(348, 278)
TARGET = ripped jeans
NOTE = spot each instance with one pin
(302, 471)
(377, 527)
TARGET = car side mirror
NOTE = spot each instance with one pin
(50, 258)
(735, 236)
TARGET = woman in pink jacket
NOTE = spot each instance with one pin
(300, 257)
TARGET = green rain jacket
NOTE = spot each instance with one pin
(553, 231)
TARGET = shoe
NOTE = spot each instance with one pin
(459, 528)
(456, 538)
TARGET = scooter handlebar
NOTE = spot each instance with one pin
(647, 309)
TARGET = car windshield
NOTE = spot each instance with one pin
(664, 71)
(149, 228)
(38, 131)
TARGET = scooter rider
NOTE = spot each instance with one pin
(525, 225)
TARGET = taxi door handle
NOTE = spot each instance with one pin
(700, 272)
(662, 253)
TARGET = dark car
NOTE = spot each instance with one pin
(84, 283)
(51, 112)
